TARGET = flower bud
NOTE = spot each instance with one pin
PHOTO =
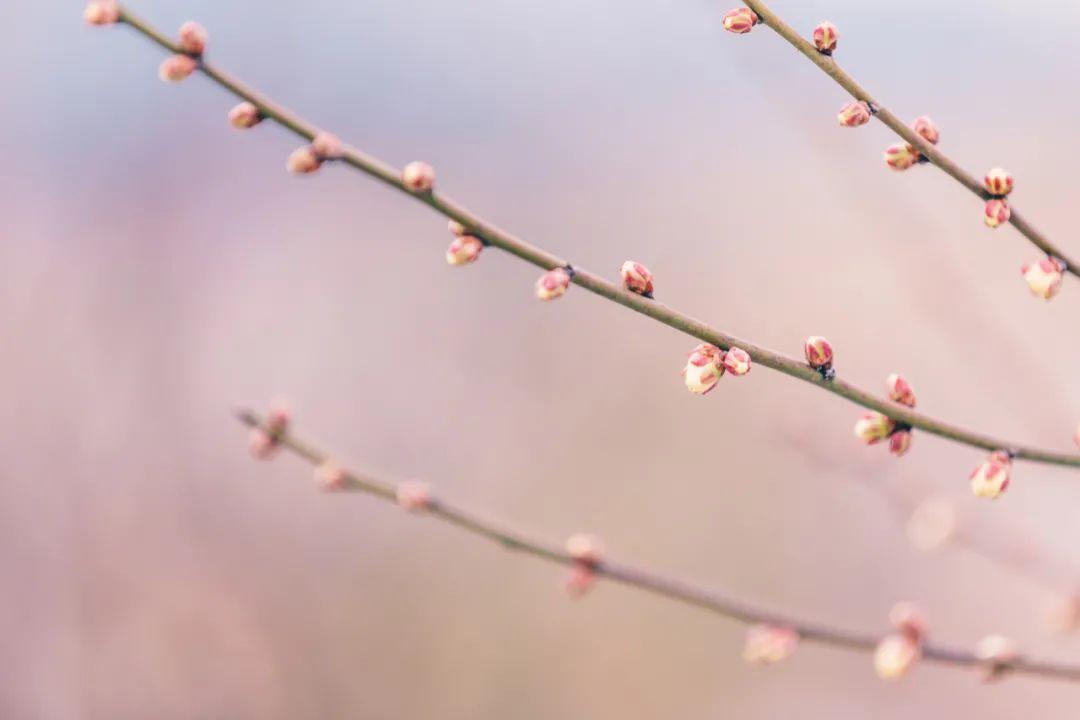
(998, 182)
(102, 12)
(873, 427)
(193, 38)
(992, 477)
(998, 655)
(908, 621)
(176, 68)
(244, 116)
(636, 278)
(584, 549)
(932, 524)
(456, 229)
(1044, 277)
(997, 213)
(261, 445)
(418, 177)
(895, 655)
(769, 644)
(819, 352)
(854, 114)
(926, 128)
(580, 580)
(900, 390)
(327, 146)
(825, 37)
(414, 496)
(553, 284)
(737, 361)
(704, 368)
(740, 21)
(900, 442)
(901, 156)
(331, 477)
(464, 250)
(304, 161)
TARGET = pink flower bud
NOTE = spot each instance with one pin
(900, 390)
(636, 278)
(997, 213)
(244, 116)
(998, 182)
(414, 496)
(418, 177)
(704, 368)
(331, 477)
(825, 37)
(176, 68)
(932, 524)
(819, 353)
(737, 361)
(580, 580)
(992, 477)
(873, 427)
(261, 445)
(895, 655)
(740, 21)
(102, 12)
(584, 549)
(464, 250)
(900, 442)
(901, 156)
(193, 38)
(278, 420)
(553, 284)
(1044, 277)
(925, 127)
(456, 229)
(998, 655)
(769, 644)
(854, 114)
(304, 161)
(327, 146)
(908, 620)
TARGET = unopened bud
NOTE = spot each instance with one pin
(895, 655)
(996, 213)
(1044, 277)
(331, 477)
(873, 427)
(456, 229)
(553, 284)
(584, 549)
(900, 390)
(304, 161)
(418, 177)
(998, 182)
(704, 368)
(854, 114)
(825, 37)
(580, 580)
(414, 496)
(740, 21)
(819, 353)
(900, 442)
(176, 68)
(636, 278)
(992, 477)
(908, 620)
(244, 116)
(901, 156)
(102, 12)
(926, 128)
(193, 38)
(769, 644)
(464, 250)
(327, 146)
(737, 361)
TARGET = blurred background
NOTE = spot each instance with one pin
(160, 268)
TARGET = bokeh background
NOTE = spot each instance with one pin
(160, 268)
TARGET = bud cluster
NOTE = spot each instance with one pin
(464, 248)
(192, 41)
(998, 183)
(706, 364)
(903, 156)
(873, 427)
(310, 158)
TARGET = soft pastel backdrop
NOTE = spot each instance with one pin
(159, 268)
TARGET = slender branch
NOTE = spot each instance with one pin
(641, 579)
(829, 66)
(504, 240)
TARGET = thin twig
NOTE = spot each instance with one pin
(658, 311)
(828, 64)
(643, 580)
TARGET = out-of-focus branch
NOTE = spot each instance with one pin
(502, 239)
(829, 66)
(628, 575)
